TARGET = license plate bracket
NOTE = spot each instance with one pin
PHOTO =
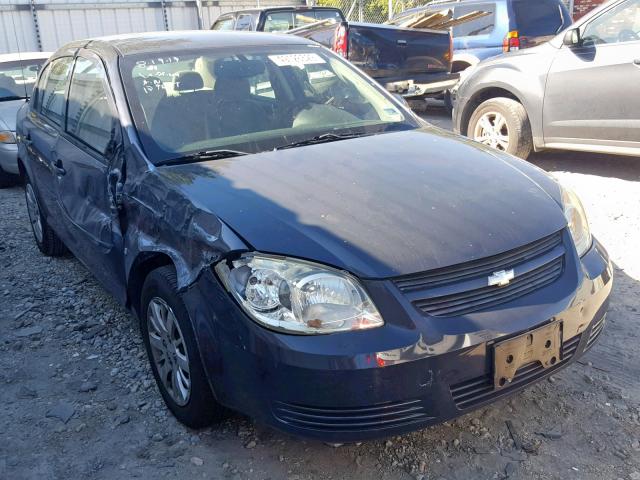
(541, 345)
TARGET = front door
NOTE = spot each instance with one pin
(593, 90)
(83, 157)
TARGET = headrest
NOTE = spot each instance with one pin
(187, 81)
(237, 68)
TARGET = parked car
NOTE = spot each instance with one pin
(508, 25)
(297, 245)
(18, 74)
(580, 91)
(412, 62)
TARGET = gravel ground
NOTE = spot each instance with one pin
(79, 400)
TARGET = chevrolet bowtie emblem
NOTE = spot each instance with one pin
(501, 278)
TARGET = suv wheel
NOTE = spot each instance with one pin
(503, 124)
(46, 239)
(173, 352)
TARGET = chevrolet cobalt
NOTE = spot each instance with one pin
(296, 244)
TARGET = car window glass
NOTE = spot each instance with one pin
(223, 23)
(38, 89)
(304, 18)
(243, 22)
(90, 117)
(539, 18)
(327, 14)
(480, 26)
(620, 24)
(278, 22)
(52, 103)
(17, 78)
(250, 99)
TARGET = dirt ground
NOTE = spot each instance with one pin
(79, 402)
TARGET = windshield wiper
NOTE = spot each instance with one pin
(12, 97)
(201, 157)
(324, 138)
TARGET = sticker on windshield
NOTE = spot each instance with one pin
(296, 59)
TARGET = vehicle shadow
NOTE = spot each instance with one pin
(614, 166)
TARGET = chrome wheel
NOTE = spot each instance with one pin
(492, 130)
(169, 350)
(34, 212)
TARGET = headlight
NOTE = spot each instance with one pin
(577, 220)
(298, 297)
(7, 136)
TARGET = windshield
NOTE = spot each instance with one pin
(17, 78)
(251, 100)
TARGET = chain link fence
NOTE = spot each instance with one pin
(377, 11)
(372, 11)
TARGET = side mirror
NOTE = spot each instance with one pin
(572, 38)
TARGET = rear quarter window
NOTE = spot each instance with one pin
(538, 18)
(480, 26)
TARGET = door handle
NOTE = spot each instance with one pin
(58, 167)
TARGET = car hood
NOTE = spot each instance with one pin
(8, 112)
(377, 206)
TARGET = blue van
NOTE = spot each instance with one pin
(506, 25)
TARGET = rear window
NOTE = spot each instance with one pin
(480, 26)
(539, 18)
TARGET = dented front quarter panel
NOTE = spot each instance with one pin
(159, 218)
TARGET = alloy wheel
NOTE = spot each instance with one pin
(169, 350)
(492, 130)
(34, 212)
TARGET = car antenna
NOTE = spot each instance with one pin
(15, 34)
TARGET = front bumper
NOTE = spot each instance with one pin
(386, 381)
(9, 158)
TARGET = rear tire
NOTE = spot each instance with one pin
(503, 124)
(173, 352)
(48, 242)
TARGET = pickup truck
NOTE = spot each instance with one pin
(415, 63)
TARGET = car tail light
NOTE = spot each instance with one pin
(511, 42)
(341, 40)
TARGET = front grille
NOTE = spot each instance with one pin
(388, 415)
(480, 389)
(463, 289)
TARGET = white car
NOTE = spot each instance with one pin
(18, 73)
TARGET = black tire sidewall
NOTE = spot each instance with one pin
(201, 409)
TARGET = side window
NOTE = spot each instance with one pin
(479, 26)
(243, 22)
(223, 23)
(36, 98)
(620, 24)
(90, 117)
(52, 100)
(278, 22)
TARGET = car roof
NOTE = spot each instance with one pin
(282, 7)
(150, 42)
(13, 57)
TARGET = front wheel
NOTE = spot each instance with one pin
(503, 124)
(173, 352)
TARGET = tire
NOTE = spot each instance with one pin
(516, 126)
(8, 179)
(197, 408)
(48, 242)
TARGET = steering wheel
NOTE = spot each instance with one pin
(628, 35)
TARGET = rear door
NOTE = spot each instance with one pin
(83, 156)
(41, 131)
(539, 21)
(593, 91)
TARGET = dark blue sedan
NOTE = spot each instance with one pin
(297, 245)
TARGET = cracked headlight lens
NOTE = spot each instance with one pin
(298, 297)
(577, 221)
